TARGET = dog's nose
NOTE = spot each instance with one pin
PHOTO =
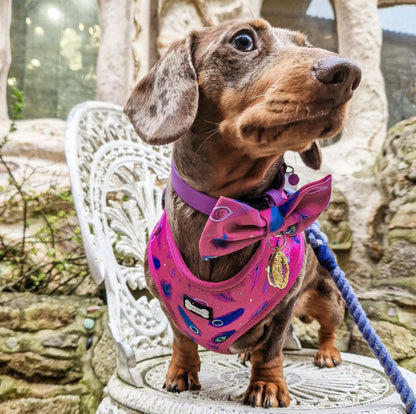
(341, 76)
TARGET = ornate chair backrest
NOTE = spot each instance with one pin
(117, 182)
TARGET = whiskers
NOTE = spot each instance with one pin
(212, 123)
(346, 131)
(210, 133)
(255, 97)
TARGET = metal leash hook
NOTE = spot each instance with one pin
(278, 267)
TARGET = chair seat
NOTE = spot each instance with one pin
(358, 385)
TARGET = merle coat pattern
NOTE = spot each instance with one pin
(233, 99)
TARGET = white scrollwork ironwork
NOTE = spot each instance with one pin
(109, 407)
(117, 183)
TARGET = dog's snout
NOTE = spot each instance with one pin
(340, 74)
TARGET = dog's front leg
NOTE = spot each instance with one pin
(184, 366)
(267, 386)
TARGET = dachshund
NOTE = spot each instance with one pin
(233, 99)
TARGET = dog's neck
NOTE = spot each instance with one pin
(218, 170)
(212, 170)
(205, 204)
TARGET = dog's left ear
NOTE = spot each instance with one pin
(163, 105)
(312, 157)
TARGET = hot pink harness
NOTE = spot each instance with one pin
(214, 315)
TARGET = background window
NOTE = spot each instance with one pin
(54, 54)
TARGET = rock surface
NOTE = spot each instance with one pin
(35, 153)
(395, 172)
(396, 165)
(45, 362)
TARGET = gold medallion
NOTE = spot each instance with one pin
(278, 269)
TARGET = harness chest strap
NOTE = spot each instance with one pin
(214, 315)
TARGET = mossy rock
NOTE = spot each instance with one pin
(397, 267)
(388, 310)
(408, 235)
(408, 283)
(67, 404)
(395, 167)
(308, 335)
(400, 342)
(409, 363)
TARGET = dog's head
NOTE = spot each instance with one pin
(248, 88)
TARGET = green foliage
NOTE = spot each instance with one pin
(16, 108)
(48, 257)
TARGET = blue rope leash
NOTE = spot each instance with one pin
(319, 243)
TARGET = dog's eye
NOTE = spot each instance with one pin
(243, 42)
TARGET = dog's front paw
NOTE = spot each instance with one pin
(327, 357)
(267, 394)
(178, 379)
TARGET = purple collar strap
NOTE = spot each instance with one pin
(205, 203)
(197, 200)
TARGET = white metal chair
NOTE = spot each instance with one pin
(117, 183)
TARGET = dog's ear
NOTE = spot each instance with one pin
(163, 105)
(312, 157)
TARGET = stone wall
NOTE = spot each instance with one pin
(395, 172)
(56, 354)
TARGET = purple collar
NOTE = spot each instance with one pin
(205, 203)
(197, 200)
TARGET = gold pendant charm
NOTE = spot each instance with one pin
(278, 269)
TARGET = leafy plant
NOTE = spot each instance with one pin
(48, 256)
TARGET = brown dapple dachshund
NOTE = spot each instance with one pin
(233, 99)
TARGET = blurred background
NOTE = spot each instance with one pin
(55, 45)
